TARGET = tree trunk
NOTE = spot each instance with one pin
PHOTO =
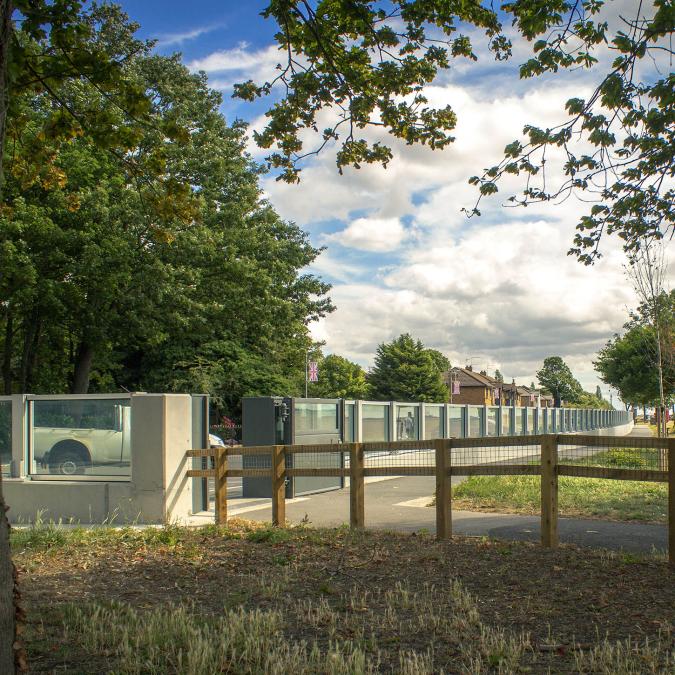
(7, 356)
(6, 10)
(82, 371)
(12, 655)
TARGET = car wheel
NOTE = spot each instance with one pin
(67, 463)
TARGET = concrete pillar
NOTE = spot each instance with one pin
(161, 433)
(19, 436)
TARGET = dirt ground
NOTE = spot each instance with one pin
(563, 599)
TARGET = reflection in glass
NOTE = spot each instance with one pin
(5, 436)
(475, 425)
(456, 421)
(519, 421)
(506, 420)
(492, 421)
(375, 422)
(350, 432)
(433, 421)
(407, 423)
(81, 437)
(530, 421)
(316, 417)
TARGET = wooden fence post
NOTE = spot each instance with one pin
(221, 485)
(671, 501)
(549, 491)
(279, 486)
(357, 511)
(443, 447)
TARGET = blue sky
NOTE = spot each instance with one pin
(498, 291)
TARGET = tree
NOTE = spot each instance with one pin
(598, 393)
(556, 376)
(45, 45)
(441, 361)
(498, 376)
(647, 270)
(404, 370)
(366, 63)
(109, 284)
(627, 363)
(340, 378)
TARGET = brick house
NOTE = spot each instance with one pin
(474, 388)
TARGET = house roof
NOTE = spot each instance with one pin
(467, 378)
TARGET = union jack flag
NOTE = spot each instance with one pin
(313, 371)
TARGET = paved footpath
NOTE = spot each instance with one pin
(401, 504)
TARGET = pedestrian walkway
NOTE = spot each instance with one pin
(402, 504)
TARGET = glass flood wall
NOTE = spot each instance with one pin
(456, 421)
(407, 422)
(5, 436)
(375, 422)
(80, 437)
(433, 421)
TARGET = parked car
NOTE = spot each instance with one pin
(69, 450)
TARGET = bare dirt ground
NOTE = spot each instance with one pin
(337, 585)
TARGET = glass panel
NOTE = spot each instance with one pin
(316, 417)
(375, 422)
(475, 426)
(519, 421)
(349, 431)
(530, 421)
(506, 421)
(5, 436)
(407, 423)
(433, 422)
(82, 437)
(456, 421)
(492, 421)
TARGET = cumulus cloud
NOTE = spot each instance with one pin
(371, 234)
(499, 289)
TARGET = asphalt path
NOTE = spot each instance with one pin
(402, 504)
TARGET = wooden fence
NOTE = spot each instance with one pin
(551, 464)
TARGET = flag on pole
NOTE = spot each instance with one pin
(496, 393)
(455, 387)
(313, 371)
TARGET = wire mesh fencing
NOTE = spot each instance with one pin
(625, 458)
(485, 455)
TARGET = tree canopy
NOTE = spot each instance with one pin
(404, 370)
(628, 362)
(556, 376)
(346, 67)
(340, 378)
(108, 283)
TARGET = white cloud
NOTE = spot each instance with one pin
(371, 234)
(501, 287)
(172, 39)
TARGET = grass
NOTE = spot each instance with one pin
(251, 598)
(577, 497)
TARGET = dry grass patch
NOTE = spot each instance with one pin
(254, 599)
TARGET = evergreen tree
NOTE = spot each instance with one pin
(498, 376)
(404, 370)
(557, 377)
(340, 378)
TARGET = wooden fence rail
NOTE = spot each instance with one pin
(550, 466)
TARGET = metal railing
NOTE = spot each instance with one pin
(548, 456)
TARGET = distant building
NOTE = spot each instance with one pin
(474, 388)
(481, 389)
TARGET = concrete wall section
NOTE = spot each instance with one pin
(158, 492)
